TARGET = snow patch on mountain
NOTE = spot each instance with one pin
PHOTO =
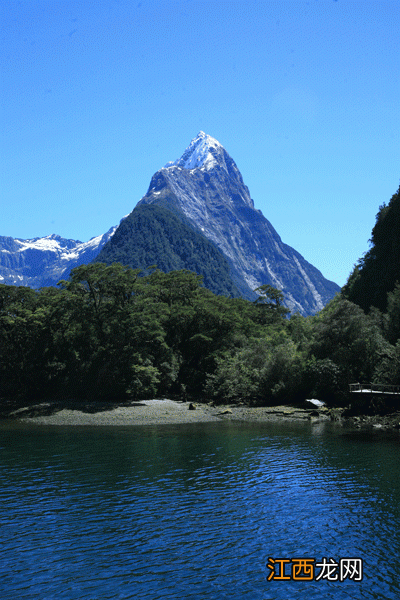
(50, 243)
(63, 248)
(200, 154)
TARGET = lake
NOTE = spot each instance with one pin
(196, 511)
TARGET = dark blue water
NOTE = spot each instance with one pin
(194, 512)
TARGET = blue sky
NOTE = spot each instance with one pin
(97, 95)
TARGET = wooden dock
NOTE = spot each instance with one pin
(375, 388)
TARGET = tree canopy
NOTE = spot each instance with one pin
(376, 273)
(110, 332)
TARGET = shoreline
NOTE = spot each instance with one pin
(167, 412)
(157, 412)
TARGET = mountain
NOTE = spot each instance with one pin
(44, 261)
(205, 189)
(197, 214)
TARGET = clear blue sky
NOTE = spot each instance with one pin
(97, 95)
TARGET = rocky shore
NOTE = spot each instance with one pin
(166, 411)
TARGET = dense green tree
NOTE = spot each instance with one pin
(392, 323)
(116, 333)
(325, 380)
(270, 304)
(377, 272)
(261, 370)
(23, 343)
(387, 368)
(350, 340)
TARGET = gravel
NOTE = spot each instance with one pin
(152, 412)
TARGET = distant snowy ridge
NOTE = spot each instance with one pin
(66, 249)
(40, 262)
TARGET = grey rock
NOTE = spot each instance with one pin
(315, 402)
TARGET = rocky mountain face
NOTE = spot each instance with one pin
(44, 261)
(205, 188)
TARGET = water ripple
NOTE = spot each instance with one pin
(193, 513)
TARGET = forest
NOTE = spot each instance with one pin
(114, 333)
(109, 333)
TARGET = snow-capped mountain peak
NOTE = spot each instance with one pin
(205, 188)
(201, 153)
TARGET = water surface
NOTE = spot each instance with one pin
(194, 512)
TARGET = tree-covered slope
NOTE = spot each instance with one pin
(152, 235)
(376, 273)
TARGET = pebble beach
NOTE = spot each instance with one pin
(154, 412)
(168, 412)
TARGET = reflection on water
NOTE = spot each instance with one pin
(194, 512)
